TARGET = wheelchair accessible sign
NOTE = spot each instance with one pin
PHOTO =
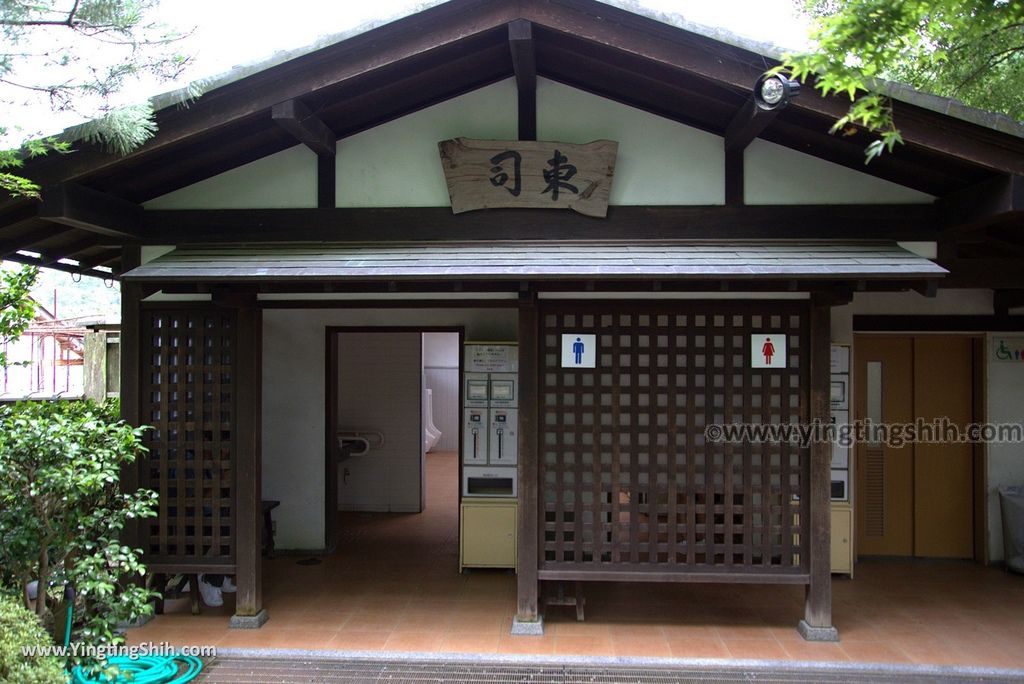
(579, 351)
(1008, 349)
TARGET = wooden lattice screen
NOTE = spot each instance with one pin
(629, 485)
(188, 379)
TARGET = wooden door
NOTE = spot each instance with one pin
(943, 472)
(916, 500)
(884, 495)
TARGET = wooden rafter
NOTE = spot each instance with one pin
(295, 117)
(54, 254)
(60, 266)
(748, 123)
(80, 207)
(28, 240)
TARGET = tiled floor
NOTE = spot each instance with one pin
(394, 586)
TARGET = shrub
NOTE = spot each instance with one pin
(62, 512)
(19, 629)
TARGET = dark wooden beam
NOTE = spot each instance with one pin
(939, 323)
(994, 273)
(983, 203)
(294, 117)
(524, 63)
(1004, 300)
(80, 207)
(747, 125)
(869, 222)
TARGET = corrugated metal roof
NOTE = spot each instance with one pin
(542, 260)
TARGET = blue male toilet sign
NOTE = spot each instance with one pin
(579, 351)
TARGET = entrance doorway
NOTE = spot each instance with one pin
(392, 421)
(916, 499)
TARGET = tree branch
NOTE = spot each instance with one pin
(991, 61)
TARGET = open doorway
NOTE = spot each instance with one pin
(393, 397)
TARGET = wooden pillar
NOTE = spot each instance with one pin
(249, 611)
(528, 620)
(131, 357)
(817, 622)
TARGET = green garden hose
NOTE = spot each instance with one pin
(145, 670)
(141, 670)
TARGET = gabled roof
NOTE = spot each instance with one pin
(452, 48)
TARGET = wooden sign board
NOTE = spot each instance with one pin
(489, 174)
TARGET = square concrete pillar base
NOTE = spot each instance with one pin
(249, 621)
(531, 628)
(810, 633)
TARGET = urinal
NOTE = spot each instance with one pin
(431, 435)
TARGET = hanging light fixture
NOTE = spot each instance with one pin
(774, 91)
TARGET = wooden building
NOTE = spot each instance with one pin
(308, 195)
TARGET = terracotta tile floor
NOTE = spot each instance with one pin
(394, 586)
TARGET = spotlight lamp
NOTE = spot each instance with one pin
(773, 92)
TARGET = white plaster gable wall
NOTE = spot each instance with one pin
(659, 162)
(778, 175)
(293, 401)
(285, 180)
(397, 164)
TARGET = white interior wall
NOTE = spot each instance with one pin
(294, 371)
(441, 375)
(379, 386)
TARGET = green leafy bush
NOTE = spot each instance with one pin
(62, 512)
(20, 629)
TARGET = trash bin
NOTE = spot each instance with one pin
(1011, 502)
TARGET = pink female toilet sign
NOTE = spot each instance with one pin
(768, 351)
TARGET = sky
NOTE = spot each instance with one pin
(227, 33)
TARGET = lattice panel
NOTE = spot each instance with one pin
(627, 477)
(188, 359)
